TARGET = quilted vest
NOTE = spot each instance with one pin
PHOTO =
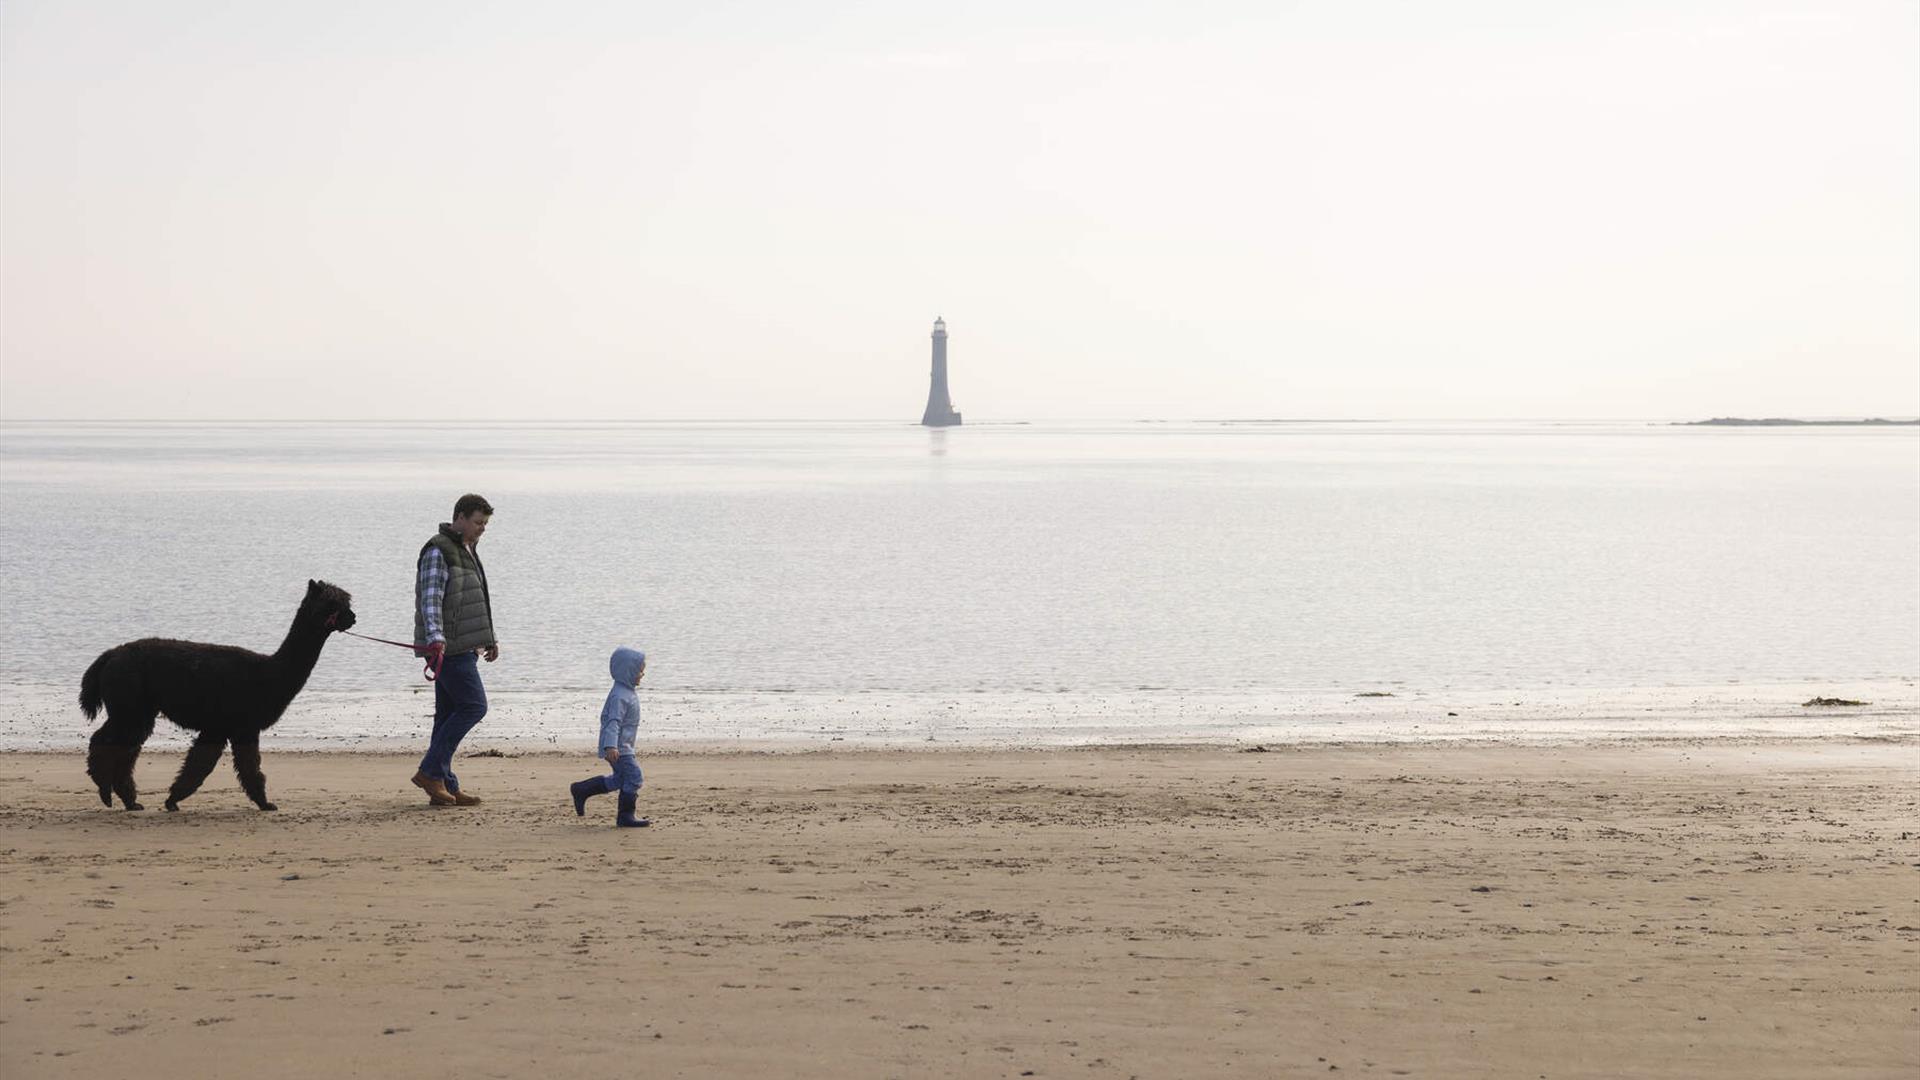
(466, 613)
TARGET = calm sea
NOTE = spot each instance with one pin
(1148, 567)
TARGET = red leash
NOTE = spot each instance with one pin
(432, 668)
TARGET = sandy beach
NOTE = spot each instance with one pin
(1654, 910)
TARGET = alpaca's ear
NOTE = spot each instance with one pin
(312, 584)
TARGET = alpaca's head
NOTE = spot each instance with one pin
(330, 604)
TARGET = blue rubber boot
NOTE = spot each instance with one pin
(587, 789)
(626, 819)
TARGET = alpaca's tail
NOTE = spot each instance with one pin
(90, 686)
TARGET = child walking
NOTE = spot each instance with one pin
(619, 726)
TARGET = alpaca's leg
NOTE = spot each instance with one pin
(112, 751)
(246, 762)
(123, 784)
(201, 758)
(103, 762)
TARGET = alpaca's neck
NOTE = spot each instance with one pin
(301, 649)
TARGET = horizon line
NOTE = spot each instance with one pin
(996, 421)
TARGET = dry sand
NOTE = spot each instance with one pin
(1655, 910)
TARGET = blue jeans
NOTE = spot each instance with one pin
(626, 776)
(459, 701)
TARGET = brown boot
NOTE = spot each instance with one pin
(464, 799)
(436, 790)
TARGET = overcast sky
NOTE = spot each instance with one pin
(756, 209)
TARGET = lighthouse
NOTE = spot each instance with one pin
(939, 403)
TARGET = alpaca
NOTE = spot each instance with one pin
(227, 694)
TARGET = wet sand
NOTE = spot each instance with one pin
(1653, 910)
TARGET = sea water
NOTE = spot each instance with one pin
(1038, 581)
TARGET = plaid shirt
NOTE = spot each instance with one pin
(433, 592)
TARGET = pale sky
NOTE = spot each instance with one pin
(754, 209)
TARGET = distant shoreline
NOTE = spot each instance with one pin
(520, 721)
(1778, 421)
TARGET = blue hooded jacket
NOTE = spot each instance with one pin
(620, 716)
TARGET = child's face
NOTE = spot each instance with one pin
(642, 675)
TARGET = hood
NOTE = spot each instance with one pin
(626, 664)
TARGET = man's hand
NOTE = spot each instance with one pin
(491, 652)
(612, 756)
(435, 653)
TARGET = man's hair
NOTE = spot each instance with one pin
(469, 505)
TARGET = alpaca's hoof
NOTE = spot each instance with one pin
(135, 806)
(172, 807)
(106, 796)
(268, 806)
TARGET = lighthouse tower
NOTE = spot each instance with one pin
(939, 404)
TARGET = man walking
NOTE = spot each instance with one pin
(453, 629)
